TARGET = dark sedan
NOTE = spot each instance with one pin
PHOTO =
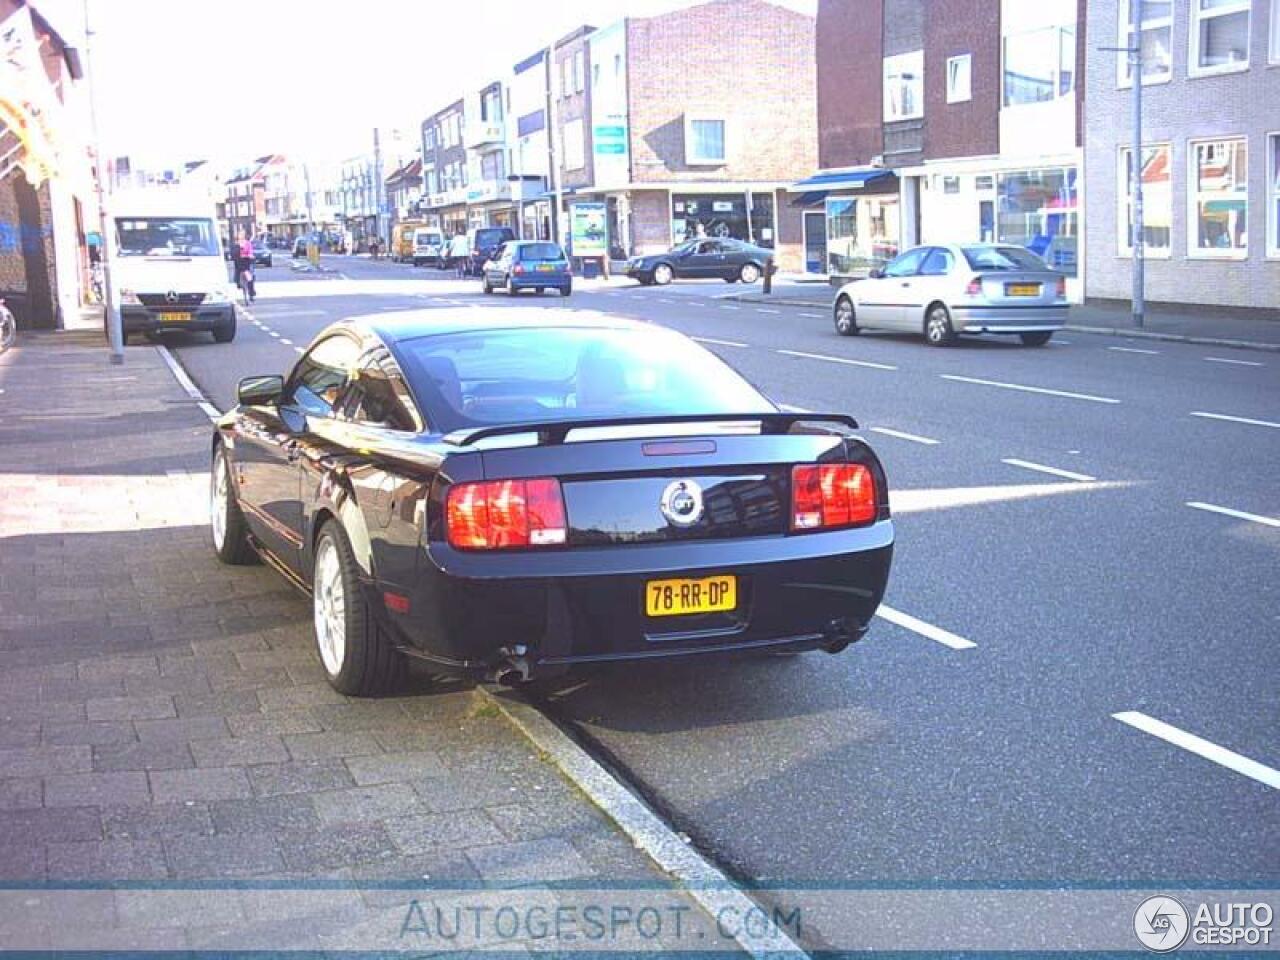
(730, 260)
(261, 253)
(505, 496)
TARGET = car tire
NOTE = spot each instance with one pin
(1036, 338)
(511, 287)
(663, 274)
(224, 331)
(938, 331)
(749, 273)
(566, 290)
(845, 317)
(540, 290)
(487, 287)
(227, 528)
(355, 651)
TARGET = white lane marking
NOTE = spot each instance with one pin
(186, 383)
(722, 343)
(766, 310)
(1238, 514)
(1052, 471)
(829, 359)
(1238, 363)
(927, 630)
(1018, 386)
(725, 306)
(1133, 350)
(1058, 341)
(1223, 416)
(812, 316)
(286, 341)
(274, 334)
(665, 300)
(913, 437)
(273, 313)
(1200, 747)
(299, 349)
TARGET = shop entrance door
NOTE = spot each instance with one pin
(815, 241)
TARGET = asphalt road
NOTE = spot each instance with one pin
(990, 752)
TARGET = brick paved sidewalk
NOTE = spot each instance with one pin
(164, 717)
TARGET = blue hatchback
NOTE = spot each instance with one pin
(528, 265)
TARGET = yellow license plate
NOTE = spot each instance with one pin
(545, 268)
(174, 317)
(672, 598)
(1023, 289)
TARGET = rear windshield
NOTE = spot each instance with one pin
(568, 373)
(1003, 258)
(166, 237)
(540, 251)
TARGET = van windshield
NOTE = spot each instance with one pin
(166, 237)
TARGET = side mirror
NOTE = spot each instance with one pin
(259, 391)
(877, 273)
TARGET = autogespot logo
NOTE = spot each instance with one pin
(681, 503)
(1161, 924)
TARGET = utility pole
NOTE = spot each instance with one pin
(377, 185)
(115, 331)
(553, 115)
(1139, 252)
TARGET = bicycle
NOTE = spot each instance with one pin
(245, 283)
(8, 328)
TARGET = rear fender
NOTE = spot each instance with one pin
(336, 498)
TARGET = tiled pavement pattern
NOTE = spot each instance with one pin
(163, 718)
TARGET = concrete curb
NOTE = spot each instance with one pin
(1075, 327)
(704, 883)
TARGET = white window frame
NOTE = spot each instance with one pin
(696, 161)
(915, 58)
(1273, 47)
(1194, 251)
(1058, 29)
(575, 159)
(1125, 25)
(579, 71)
(1124, 185)
(1197, 16)
(1272, 195)
(954, 92)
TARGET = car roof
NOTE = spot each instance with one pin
(392, 328)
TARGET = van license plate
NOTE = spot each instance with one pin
(174, 317)
(1023, 289)
(672, 598)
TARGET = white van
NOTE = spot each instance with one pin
(428, 245)
(167, 265)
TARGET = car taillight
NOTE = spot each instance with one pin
(974, 288)
(1062, 286)
(830, 495)
(499, 514)
(518, 268)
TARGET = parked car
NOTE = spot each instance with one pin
(428, 246)
(726, 259)
(942, 291)
(528, 265)
(300, 246)
(482, 242)
(504, 496)
(261, 253)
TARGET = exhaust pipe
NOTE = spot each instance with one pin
(512, 669)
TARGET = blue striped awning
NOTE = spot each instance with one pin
(850, 178)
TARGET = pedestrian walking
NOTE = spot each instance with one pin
(244, 267)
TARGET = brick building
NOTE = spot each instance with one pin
(47, 202)
(1210, 158)
(444, 170)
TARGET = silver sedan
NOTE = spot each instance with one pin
(945, 290)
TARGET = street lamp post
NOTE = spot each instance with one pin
(1134, 53)
(115, 330)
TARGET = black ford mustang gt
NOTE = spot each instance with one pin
(506, 496)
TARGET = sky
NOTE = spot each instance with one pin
(228, 80)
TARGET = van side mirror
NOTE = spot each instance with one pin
(260, 391)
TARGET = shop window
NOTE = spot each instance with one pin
(904, 86)
(1157, 200)
(1219, 198)
(1219, 36)
(1156, 41)
(1037, 209)
(762, 220)
(950, 184)
(704, 141)
(1039, 65)
(960, 78)
(715, 215)
(862, 233)
(1273, 196)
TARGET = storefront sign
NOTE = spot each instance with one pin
(588, 229)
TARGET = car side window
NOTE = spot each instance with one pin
(321, 375)
(501, 252)
(938, 263)
(908, 264)
(378, 396)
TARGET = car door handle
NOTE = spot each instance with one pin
(906, 284)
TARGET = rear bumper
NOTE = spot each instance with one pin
(531, 280)
(991, 319)
(540, 613)
(140, 319)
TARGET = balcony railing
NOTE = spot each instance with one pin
(483, 133)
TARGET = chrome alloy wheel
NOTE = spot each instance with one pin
(329, 605)
(218, 494)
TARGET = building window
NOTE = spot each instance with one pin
(904, 86)
(950, 184)
(566, 81)
(1273, 196)
(704, 141)
(1157, 41)
(579, 74)
(1039, 65)
(1274, 55)
(617, 64)
(1219, 198)
(595, 74)
(1219, 36)
(575, 153)
(960, 78)
(492, 167)
(1157, 200)
(1037, 209)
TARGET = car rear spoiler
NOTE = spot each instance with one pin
(555, 433)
